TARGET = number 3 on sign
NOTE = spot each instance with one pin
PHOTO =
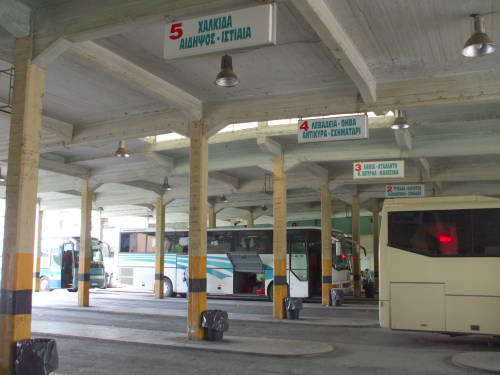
(388, 188)
(176, 31)
(357, 167)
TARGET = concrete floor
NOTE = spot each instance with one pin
(358, 350)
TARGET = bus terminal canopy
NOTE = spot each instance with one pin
(109, 79)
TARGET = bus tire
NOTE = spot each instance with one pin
(270, 291)
(44, 284)
(168, 290)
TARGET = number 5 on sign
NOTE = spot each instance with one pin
(176, 31)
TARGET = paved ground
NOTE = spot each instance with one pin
(360, 350)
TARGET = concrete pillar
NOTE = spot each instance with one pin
(356, 250)
(375, 230)
(160, 248)
(198, 204)
(212, 217)
(250, 223)
(280, 289)
(85, 253)
(38, 251)
(326, 244)
(21, 198)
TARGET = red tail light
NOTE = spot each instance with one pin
(443, 238)
(343, 256)
(352, 258)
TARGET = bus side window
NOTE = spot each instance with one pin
(219, 242)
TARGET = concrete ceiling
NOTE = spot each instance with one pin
(107, 80)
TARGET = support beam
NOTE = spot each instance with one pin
(162, 160)
(280, 285)
(212, 217)
(233, 182)
(322, 19)
(38, 254)
(21, 194)
(198, 202)
(7, 46)
(375, 231)
(64, 169)
(160, 248)
(59, 128)
(145, 185)
(269, 146)
(15, 18)
(317, 171)
(85, 254)
(326, 244)
(425, 168)
(139, 78)
(355, 249)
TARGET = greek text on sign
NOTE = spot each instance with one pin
(379, 169)
(250, 27)
(333, 129)
(404, 191)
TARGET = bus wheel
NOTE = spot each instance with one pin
(44, 285)
(72, 290)
(168, 290)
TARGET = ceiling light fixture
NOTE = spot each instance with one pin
(224, 199)
(121, 152)
(166, 186)
(2, 178)
(400, 121)
(479, 44)
(226, 76)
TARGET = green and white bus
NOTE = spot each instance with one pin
(239, 261)
(59, 264)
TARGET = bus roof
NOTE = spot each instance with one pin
(439, 203)
(151, 230)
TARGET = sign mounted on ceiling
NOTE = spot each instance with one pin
(404, 191)
(333, 129)
(379, 169)
(243, 28)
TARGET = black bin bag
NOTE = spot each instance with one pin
(36, 357)
(215, 323)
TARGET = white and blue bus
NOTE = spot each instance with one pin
(59, 264)
(239, 261)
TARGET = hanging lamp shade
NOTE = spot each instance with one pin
(2, 177)
(226, 76)
(121, 152)
(224, 199)
(479, 44)
(166, 186)
(400, 121)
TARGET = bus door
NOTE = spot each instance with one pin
(55, 275)
(68, 265)
(247, 266)
(298, 264)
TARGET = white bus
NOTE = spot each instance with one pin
(440, 265)
(239, 261)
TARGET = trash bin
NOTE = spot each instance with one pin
(293, 307)
(337, 295)
(369, 289)
(215, 323)
(36, 357)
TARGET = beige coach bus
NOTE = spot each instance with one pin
(440, 265)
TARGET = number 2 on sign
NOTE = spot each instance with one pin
(357, 167)
(389, 188)
(176, 31)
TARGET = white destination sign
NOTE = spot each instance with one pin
(404, 191)
(241, 28)
(379, 169)
(333, 129)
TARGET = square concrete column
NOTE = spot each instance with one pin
(375, 230)
(160, 248)
(198, 207)
(38, 250)
(212, 217)
(85, 253)
(280, 287)
(326, 244)
(21, 199)
(356, 249)
(250, 223)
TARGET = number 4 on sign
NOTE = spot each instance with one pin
(304, 126)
